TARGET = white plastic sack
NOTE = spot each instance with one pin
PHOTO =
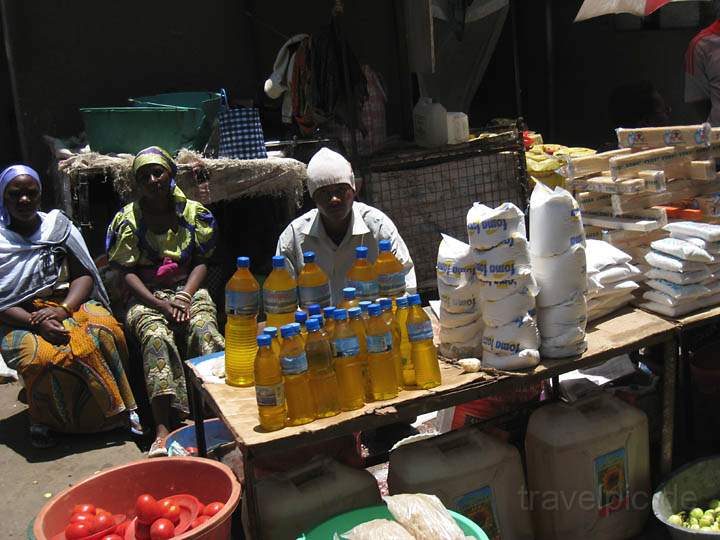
(679, 292)
(455, 320)
(462, 334)
(487, 227)
(606, 305)
(555, 223)
(456, 262)
(713, 248)
(462, 350)
(463, 299)
(494, 291)
(560, 277)
(523, 360)
(507, 260)
(424, 517)
(378, 529)
(566, 351)
(601, 254)
(6, 372)
(679, 278)
(684, 308)
(508, 309)
(571, 337)
(511, 338)
(653, 295)
(682, 249)
(613, 274)
(615, 288)
(557, 320)
(668, 262)
(706, 231)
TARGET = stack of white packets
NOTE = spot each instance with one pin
(611, 279)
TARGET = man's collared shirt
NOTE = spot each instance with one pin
(702, 70)
(367, 227)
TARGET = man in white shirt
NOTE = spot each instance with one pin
(338, 225)
(702, 71)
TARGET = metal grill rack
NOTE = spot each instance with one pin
(428, 192)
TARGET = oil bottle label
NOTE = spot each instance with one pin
(315, 295)
(241, 303)
(479, 505)
(294, 365)
(420, 331)
(391, 285)
(611, 482)
(349, 346)
(379, 344)
(270, 396)
(280, 301)
(365, 290)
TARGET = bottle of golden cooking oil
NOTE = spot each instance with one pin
(329, 316)
(389, 318)
(241, 307)
(358, 326)
(362, 276)
(349, 298)
(383, 377)
(364, 305)
(314, 309)
(301, 319)
(323, 380)
(298, 393)
(313, 284)
(390, 272)
(348, 364)
(279, 294)
(269, 389)
(273, 333)
(422, 349)
(408, 369)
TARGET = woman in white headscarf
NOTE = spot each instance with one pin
(56, 329)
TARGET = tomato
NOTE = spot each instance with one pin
(77, 530)
(147, 509)
(82, 517)
(142, 531)
(172, 513)
(201, 508)
(84, 508)
(120, 529)
(99, 511)
(199, 521)
(112, 537)
(213, 508)
(162, 529)
(102, 522)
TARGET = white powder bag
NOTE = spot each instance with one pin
(455, 320)
(601, 254)
(461, 334)
(615, 288)
(511, 338)
(507, 260)
(424, 517)
(713, 248)
(607, 305)
(679, 292)
(555, 223)
(613, 274)
(567, 351)
(463, 299)
(668, 262)
(487, 227)
(706, 231)
(682, 249)
(684, 308)
(523, 360)
(494, 291)
(679, 278)
(557, 320)
(456, 262)
(508, 309)
(378, 528)
(571, 337)
(462, 350)
(659, 297)
(561, 276)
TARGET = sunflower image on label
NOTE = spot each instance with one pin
(365, 290)
(391, 285)
(420, 331)
(242, 303)
(479, 505)
(280, 301)
(270, 396)
(349, 346)
(611, 482)
(379, 344)
(294, 365)
(315, 295)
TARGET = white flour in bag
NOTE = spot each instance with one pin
(668, 262)
(682, 249)
(487, 227)
(706, 231)
(613, 274)
(623, 287)
(525, 359)
(682, 309)
(455, 320)
(561, 276)
(713, 248)
(601, 254)
(557, 320)
(555, 223)
(680, 278)
(679, 292)
(507, 260)
(511, 338)
(605, 306)
(462, 334)
(508, 309)
(497, 290)
(660, 297)
(463, 299)
(456, 262)
(576, 349)
(571, 337)
(472, 349)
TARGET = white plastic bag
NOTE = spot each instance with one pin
(571, 337)
(566, 351)
(560, 277)
(613, 274)
(682, 309)
(615, 288)
(679, 292)
(525, 359)
(507, 260)
(606, 305)
(653, 295)
(378, 529)
(487, 227)
(455, 320)
(508, 309)
(462, 334)
(601, 254)
(494, 291)
(456, 262)
(668, 262)
(6, 372)
(706, 231)
(713, 248)
(513, 338)
(682, 249)
(555, 223)
(424, 516)
(679, 278)
(557, 320)
(462, 350)
(463, 299)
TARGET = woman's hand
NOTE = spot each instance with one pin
(53, 332)
(48, 313)
(181, 309)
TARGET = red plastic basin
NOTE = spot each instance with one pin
(117, 489)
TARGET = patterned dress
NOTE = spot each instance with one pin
(163, 262)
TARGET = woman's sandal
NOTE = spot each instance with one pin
(135, 425)
(40, 437)
(157, 449)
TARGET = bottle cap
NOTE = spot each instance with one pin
(313, 325)
(361, 252)
(270, 331)
(300, 316)
(349, 293)
(340, 314)
(309, 256)
(385, 303)
(374, 310)
(384, 245)
(414, 299)
(328, 312)
(318, 318)
(314, 309)
(278, 261)
(401, 302)
(243, 262)
(289, 330)
(354, 312)
(263, 340)
(364, 305)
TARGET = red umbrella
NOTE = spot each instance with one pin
(596, 8)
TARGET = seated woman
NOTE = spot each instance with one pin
(161, 242)
(55, 326)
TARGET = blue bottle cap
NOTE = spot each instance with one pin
(361, 252)
(313, 325)
(384, 245)
(270, 331)
(364, 305)
(349, 293)
(289, 330)
(309, 256)
(385, 303)
(278, 261)
(374, 310)
(300, 316)
(340, 314)
(328, 312)
(414, 299)
(263, 340)
(401, 302)
(243, 262)
(355, 312)
(318, 318)
(314, 309)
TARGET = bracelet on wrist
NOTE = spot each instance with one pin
(67, 309)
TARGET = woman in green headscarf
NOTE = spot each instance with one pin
(161, 242)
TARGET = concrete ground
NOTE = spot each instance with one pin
(28, 474)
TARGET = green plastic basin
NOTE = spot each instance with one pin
(344, 522)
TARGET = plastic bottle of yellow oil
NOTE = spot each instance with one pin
(364, 305)
(279, 295)
(301, 318)
(313, 284)
(383, 376)
(329, 317)
(269, 388)
(358, 326)
(348, 363)
(390, 272)
(349, 298)
(423, 352)
(241, 307)
(314, 309)
(298, 393)
(408, 369)
(387, 314)
(323, 380)
(273, 333)
(362, 276)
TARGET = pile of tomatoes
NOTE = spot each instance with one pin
(154, 519)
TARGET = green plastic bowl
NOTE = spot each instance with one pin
(344, 522)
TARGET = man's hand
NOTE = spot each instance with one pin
(48, 313)
(53, 332)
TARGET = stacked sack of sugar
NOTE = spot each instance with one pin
(557, 251)
(611, 278)
(506, 286)
(461, 327)
(684, 269)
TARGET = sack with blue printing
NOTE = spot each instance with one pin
(513, 338)
(679, 292)
(564, 351)
(560, 277)
(679, 278)
(555, 221)
(448, 319)
(494, 291)
(456, 262)
(571, 337)
(507, 260)
(463, 299)
(487, 227)
(673, 264)
(682, 249)
(508, 309)
(554, 321)
(524, 359)
(471, 333)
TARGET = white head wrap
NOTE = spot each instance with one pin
(327, 168)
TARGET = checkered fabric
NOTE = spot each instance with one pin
(241, 135)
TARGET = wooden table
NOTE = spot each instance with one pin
(626, 331)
